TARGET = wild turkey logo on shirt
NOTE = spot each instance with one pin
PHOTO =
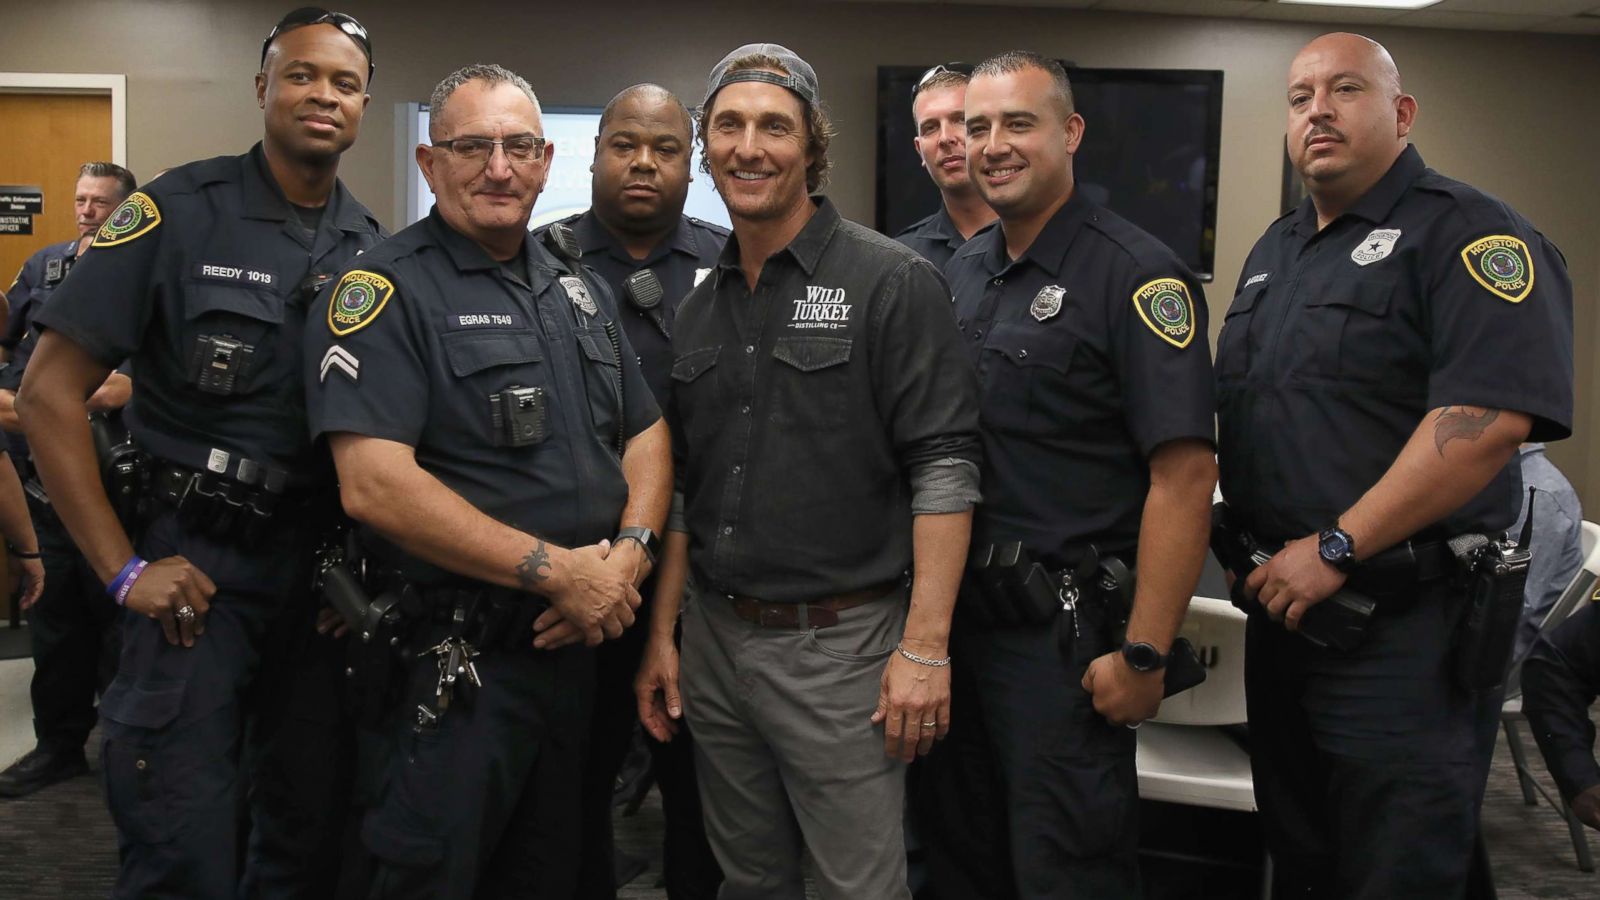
(823, 308)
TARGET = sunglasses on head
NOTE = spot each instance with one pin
(954, 68)
(316, 15)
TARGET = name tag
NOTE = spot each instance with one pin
(234, 274)
(458, 321)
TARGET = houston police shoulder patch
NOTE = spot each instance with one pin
(358, 299)
(1165, 305)
(1502, 264)
(134, 218)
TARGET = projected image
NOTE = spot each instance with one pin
(567, 192)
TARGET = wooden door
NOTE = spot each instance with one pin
(48, 136)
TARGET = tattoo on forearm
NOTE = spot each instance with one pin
(534, 569)
(1461, 422)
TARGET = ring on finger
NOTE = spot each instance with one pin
(934, 724)
(186, 613)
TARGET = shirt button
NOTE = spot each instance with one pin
(1022, 354)
(727, 529)
(749, 348)
(977, 335)
(745, 410)
(737, 469)
(999, 281)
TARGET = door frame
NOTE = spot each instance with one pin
(68, 83)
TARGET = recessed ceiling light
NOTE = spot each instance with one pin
(1366, 4)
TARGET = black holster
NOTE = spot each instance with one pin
(1340, 621)
(377, 632)
(1496, 572)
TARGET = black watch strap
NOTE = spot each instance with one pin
(646, 538)
(1143, 657)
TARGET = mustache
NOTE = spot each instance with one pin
(1323, 131)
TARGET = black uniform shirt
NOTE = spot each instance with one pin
(421, 331)
(1091, 349)
(1559, 683)
(1427, 293)
(682, 260)
(35, 282)
(934, 238)
(799, 411)
(211, 249)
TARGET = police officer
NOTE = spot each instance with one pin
(938, 108)
(204, 280)
(1089, 338)
(498, 445)
(1390, 344)
(650, 254)
(70, 630)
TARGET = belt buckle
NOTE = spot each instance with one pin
(768, 616)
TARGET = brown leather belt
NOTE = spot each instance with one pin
(815, 614)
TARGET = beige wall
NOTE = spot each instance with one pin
(1515, 114)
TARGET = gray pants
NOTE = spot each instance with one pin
(786, 752)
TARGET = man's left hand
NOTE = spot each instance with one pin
(1294, 580)
(1121, 695)
(913, 705)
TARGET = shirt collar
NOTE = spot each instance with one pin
(1376, 204)
(264, 199)
(467, 255)
(593, 235)
(1379, 200)
(1049, 250)
(807, 246)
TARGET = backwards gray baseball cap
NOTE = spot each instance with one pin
(802, 79)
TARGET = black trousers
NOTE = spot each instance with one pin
(1033, 794)
(191, 734)
(1369, 766)
(483, 805)
(691, 871)
(75, 639)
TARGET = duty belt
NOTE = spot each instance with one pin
(821, 613)
(225, 507)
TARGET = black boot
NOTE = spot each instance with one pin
(40, 768)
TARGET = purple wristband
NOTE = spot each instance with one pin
(120, 586)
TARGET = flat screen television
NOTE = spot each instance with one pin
(1150, 152)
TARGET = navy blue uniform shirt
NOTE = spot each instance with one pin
(1427, 293)
(1091, 350)
(800, 409)
(421, 331)
(682, 260)
(35, 282)
(934, 238)
(211, 250)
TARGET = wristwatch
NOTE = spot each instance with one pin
(1337, 548)
(646, 539)
(1143, 657)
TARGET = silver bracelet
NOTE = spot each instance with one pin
(923, 660)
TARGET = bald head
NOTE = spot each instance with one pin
(1357, 53)
(1348, 118)
(646, 96)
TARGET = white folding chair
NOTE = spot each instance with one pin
(1184, 755)
(1579, 591)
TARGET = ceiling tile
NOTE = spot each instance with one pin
(1570, 25)
(1428, 18)
(1343, 15)
(1183, 7)
(1516, 7)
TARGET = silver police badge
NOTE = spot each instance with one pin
(578, 293)
(1375, 246)
(1047, 302)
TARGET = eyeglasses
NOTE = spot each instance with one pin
(316, 15)
(518, 148)
(954, 68)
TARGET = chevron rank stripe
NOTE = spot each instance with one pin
(339, 358)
